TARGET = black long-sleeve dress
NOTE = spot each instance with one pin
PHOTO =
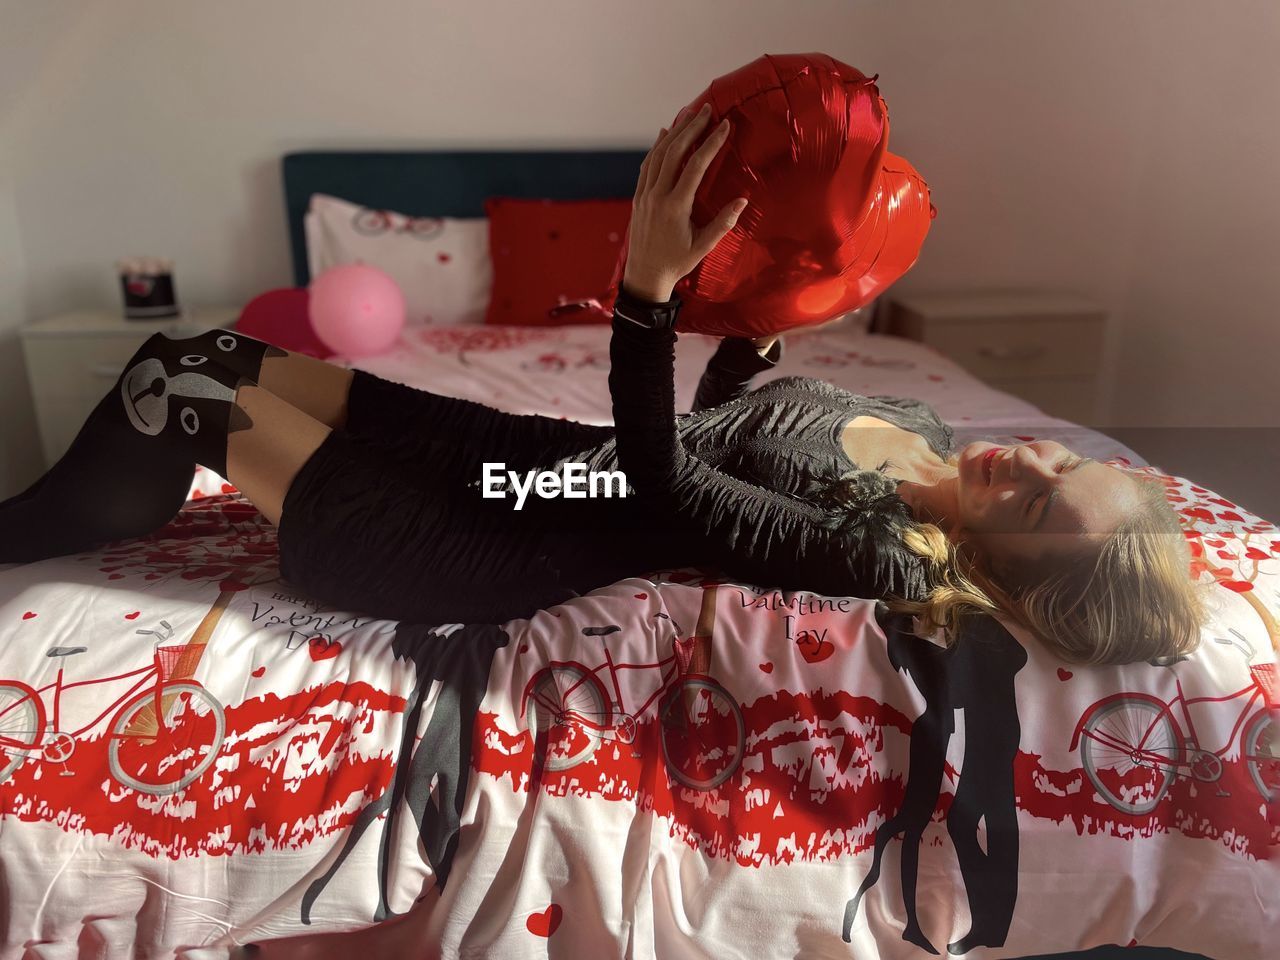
(743, 484)
(387, 516)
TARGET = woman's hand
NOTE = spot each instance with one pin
(663, 243)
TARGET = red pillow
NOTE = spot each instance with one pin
(552, 256)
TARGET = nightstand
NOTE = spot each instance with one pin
(73, 358)
(1044, 348)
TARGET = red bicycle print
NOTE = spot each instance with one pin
(1132, 747)
(154, 756)
(371, 223)
(703, 734)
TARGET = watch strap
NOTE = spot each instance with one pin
(647, 313)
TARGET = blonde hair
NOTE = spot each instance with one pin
(1136, 600)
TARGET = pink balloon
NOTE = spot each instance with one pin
(356, 310)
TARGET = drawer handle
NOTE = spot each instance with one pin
(1026, 352)
(104, 371)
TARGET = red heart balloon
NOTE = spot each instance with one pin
(832, 217)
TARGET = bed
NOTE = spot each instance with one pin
(675, 765)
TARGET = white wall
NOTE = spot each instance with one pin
(1120, 148)
(22, 54)
(19, 442)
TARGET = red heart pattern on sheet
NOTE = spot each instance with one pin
(815, 650)
(322, 648)
(544, 924)
(259, 672)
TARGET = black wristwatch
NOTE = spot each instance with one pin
(646, 313)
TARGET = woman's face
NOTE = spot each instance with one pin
(1036, 502)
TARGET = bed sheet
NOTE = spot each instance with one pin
(196, 757)
(563, 371)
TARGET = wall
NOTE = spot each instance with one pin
(19, 442)
(1118, 149)
(28, 32)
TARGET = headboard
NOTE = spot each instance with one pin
(447, 183)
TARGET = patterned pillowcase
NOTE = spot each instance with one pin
(441, 263)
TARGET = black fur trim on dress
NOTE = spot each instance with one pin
(864, 506)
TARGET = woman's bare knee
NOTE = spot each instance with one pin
(267, 443)
(317, 388)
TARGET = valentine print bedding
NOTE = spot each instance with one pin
(196, 757)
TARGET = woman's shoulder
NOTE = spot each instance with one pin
(863, 510)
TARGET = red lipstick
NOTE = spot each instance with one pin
(986, 463)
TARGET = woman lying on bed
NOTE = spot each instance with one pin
(375, 486)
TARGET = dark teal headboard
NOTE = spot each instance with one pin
(448, 183)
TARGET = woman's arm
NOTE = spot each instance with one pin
(756, 533)
(730, 369)
(766, 537)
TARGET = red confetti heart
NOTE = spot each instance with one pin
(935, 378)
(766, 667)
(260, 671)
(443, 257)
(642, 596)
(1064, 675)
(132, 616)
(544, 924)
(524, 648)
(1023, 439)
(322, 648)
(28, 615)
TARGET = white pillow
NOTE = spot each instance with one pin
(441, 263)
